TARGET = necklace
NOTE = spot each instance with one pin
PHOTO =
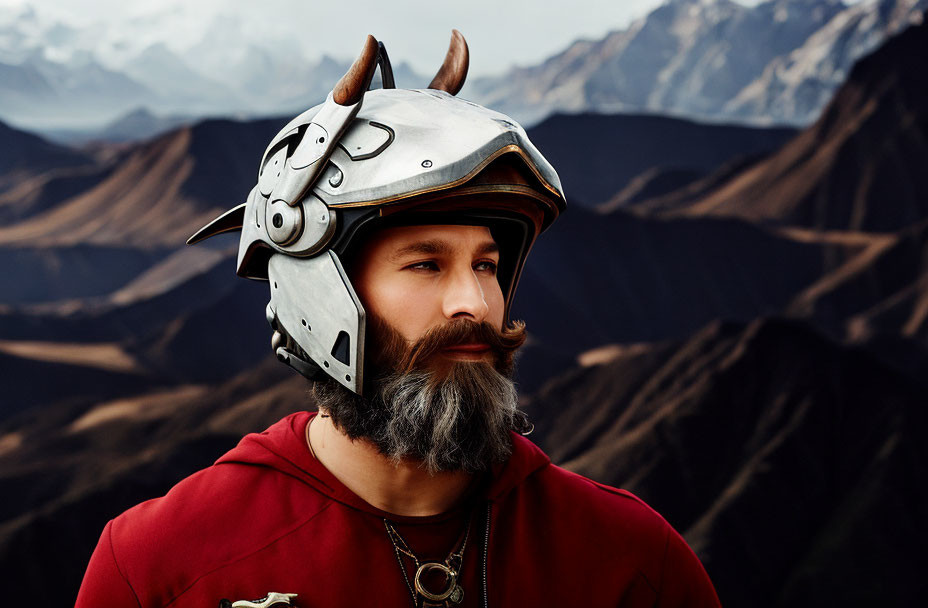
(309, 441)
(451, 568)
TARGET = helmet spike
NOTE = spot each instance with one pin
(453, 71)
(233, 219)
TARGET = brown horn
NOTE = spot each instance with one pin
(350, 89)
(453, 71)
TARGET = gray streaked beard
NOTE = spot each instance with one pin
(454, 419)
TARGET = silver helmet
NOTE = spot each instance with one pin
(364, 159)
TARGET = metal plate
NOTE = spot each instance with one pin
(438, 141)
(366, 139)
(314, 302)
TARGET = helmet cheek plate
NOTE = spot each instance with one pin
(313, 301)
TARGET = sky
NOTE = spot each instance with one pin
(499, 33)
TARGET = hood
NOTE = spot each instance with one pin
(282, 447)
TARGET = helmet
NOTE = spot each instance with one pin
(365, 159)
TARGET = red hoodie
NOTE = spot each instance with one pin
(268, 517)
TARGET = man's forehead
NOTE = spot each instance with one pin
(436, 236)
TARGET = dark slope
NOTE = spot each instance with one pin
(23, 154)
(794, 465)
(599, 278)
(42, 274)
(597, 155)
(73, 470)
(42, 381)
(884, 293)
(861, 166)
(34, 195)
(651, 184)
(184, 334)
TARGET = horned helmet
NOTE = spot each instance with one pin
(364, 159)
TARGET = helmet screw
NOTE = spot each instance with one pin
(426, 163)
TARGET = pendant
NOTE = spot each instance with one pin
(457, 595)
(451, 579)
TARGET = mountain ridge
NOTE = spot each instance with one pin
(837, 173)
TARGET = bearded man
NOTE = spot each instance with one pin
(392, 236)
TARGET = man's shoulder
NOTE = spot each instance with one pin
(574, 507)
(616, 529)
(572, 491)
(215, 517)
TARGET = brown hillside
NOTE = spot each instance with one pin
(884, 290)
(160, 192)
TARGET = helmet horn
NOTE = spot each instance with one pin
(350, 89)
(453, 71)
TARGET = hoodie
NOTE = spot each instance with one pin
(268, 517)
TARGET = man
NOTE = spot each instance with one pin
(392, 236)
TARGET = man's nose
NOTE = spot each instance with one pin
(463, 297)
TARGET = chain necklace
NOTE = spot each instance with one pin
(451, 568)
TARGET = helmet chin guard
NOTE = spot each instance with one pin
(364, 159)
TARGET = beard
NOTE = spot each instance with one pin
(449, 415)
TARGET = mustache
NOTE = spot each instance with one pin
(398, 354)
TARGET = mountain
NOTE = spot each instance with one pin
(181, 88)
(787, 460)
(775, 62)
(788, 450)
(598, 155)
(165, 325)
(133, 126)
(652, 183)
(181, 180)
(71, 79)
(41, 274)
(882, 293)
(79, 91)
(624, 278)
(859, 167)
(796, 86)
(139, 124)
(58, 497)
(24, 155)
(21, 88)
(726, 428)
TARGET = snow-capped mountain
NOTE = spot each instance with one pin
(55, 75)
(776, 62)
(795, 87)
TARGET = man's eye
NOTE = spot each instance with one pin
(485, 266)
(428, 265)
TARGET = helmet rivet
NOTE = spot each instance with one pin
(426, 163)
(278, 220)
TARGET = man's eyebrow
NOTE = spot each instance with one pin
(488, 247)
(432, 247)
(438, 247)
